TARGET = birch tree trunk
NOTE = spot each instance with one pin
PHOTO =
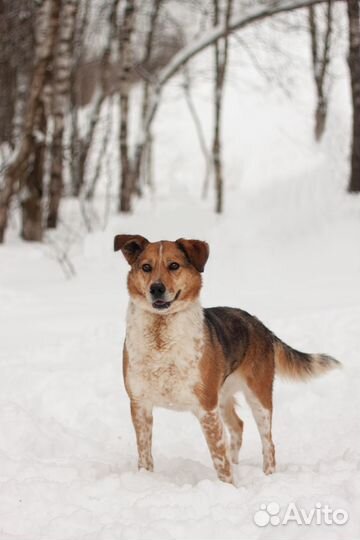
(47, 22)
(23, 59)
(7, 91)
(320, 55)
(78, 55)
(126, 61)
(221, 57)
(32, 196)
(143, 147)
(84, 145)
(61, 98)
(22, 84)
(354, 65)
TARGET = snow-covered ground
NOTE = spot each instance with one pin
(67, 448)
(287, 250)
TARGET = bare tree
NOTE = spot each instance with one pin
(60, 105)
(199, 129)
(126, 64)
(83, 145)
(75, 97)
(354, 65)
(221, 49)
(47, 19)
(144, 143)
(91, 184)
(27, 145)
(188, 52)
(31, 195)
(7, 79)
(22, 52)
(320, 55)
(16, 57)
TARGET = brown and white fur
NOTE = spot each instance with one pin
(180, 356)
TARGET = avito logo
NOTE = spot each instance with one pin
(270, 514)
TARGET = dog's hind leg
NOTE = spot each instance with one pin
(261, 407)
(142, 418)
(234, 424)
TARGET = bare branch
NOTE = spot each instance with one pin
(199, 130)
(237, 22)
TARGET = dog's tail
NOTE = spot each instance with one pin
(293, 364)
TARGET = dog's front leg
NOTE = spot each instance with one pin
(215, 435)
(142, 418)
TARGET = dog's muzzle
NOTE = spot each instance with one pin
(164, 304)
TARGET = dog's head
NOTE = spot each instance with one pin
(165, 277)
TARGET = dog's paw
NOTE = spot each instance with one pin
(269, 468)
(148, 466)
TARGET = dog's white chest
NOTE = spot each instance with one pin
(164, 353)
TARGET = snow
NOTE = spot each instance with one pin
(67, 448)
(287, 250)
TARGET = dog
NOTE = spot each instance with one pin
(181, 356)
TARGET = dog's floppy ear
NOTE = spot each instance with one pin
(131, 245)
(196, 251)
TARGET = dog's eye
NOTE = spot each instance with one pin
(174, 266)
(146, 268)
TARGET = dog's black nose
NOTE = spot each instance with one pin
(157, 289)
